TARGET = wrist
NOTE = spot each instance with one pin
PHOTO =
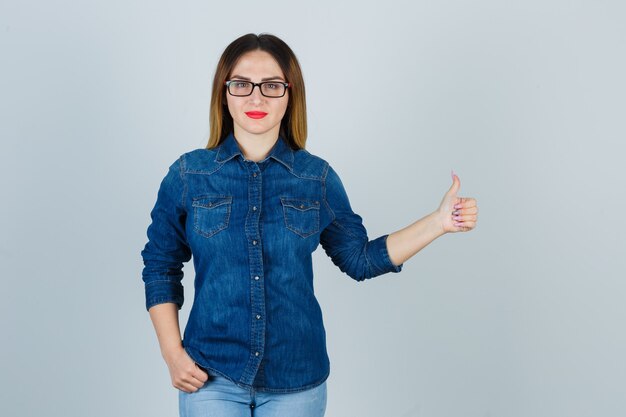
(437, 223)
(172, 350)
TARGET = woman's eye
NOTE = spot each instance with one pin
(241, 84)
(271, 86)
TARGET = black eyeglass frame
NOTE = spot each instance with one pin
(285, 84)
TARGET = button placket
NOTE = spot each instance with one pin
(257, 294)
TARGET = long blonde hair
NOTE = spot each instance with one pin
(293, 126)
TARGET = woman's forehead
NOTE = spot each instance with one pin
(257, 64)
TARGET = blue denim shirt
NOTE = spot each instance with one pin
(252, 227)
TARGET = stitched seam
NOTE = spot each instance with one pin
(179, 300)
(385, 254)
(206, 172)
(182, 178)
(288, 208)
(305, 177)
(216, 229)
(323, 179)
(287, 165)
(302, 176)
(367, 260)
(292, 390)
(336, 223)
(162, 280)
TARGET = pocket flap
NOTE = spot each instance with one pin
(211, 201)
(300, 204)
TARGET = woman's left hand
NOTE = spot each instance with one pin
(457, 214)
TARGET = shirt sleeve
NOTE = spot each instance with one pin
(167, 248)
(345, 239)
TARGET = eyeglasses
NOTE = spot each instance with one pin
(239, 88)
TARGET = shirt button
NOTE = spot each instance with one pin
(256, 278)
(254, 242)
(256, 353)
(254, 175)
(254, 208)
(258, 316)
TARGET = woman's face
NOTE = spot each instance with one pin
(257, 66)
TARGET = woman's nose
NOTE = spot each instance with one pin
(256, 95)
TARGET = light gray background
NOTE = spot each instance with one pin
(524, 316)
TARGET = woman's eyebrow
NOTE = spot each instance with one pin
(240, 77)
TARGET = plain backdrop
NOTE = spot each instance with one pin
(525, 100)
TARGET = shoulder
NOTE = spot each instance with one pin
(199, 161)
(308, 165)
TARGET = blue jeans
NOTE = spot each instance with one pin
(219, 397)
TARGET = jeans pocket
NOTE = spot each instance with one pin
(211, 214)
(302, 216)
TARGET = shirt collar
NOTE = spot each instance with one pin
(229, 148)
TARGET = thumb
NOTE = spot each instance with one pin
(456, 184)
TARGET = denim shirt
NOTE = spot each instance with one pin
(252, 227)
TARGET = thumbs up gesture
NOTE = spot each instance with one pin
(457, 214)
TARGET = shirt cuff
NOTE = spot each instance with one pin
(381, 260)
(162, 291)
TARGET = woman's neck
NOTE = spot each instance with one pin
(256, 147)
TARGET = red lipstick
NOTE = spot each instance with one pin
(256, 114)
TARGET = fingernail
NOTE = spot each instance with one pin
(458, 224)
(457, 206)
(452, 175)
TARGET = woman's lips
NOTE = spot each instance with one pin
(256, 114)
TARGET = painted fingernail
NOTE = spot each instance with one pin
(456, 217)
(455, 212)
(457, 206)
(458, 224)
(452, 174)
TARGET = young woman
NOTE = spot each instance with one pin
(252, 207)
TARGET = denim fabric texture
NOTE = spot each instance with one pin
(220, 397)
(252, 228)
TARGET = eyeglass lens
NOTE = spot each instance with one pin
(268, 88)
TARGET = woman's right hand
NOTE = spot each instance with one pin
(185, 373)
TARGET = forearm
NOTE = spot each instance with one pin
(404, 243)
(165, 320)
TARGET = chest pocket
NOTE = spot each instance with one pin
(211, 214)
(301, 216)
